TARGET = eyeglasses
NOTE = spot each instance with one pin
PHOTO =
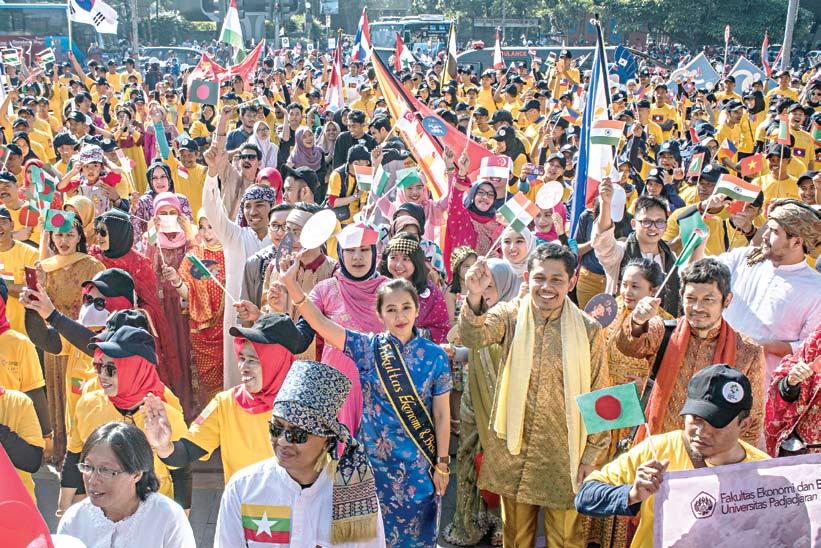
(102, 232)
(247, 156)
(99, 302)
(485, 194)
(276, 227)
(106, 473)
(110, 368)
(296, 436)
(647, 223)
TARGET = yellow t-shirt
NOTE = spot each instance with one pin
(335, 190)
(24, 214)
(660, 115)
(774, 188)
(670, 446)
(803, 147)
(17, 412)
(95, 409)
(652, 128)
(749, 127)
(190, 186)
(12, 268)
(19, 366)
(719, 228)
(485, 99)
(241, 436)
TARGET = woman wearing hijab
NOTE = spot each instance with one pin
(273, 178)
(417, 193)
(473, 517)
(84, 209)
(129, 137)
(142, 210)
(206, 303)
(261, 137)
(508, 143)
(166, 251)
(403, 258)
(327, 139)
(471, 215)
(115, 249)
(126, 364)
(203, 127)
(516, 249)
(305, 153)
(235, 420)
(62, 276)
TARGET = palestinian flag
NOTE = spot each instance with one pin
(751, 165)
(693, 231)
(606, 132)
(11, 57)
(737, 188)
(783, 130)
(231, 30)
(696, 165)
(46, 56)
(519, 212)
(266, 524)
(611, 408)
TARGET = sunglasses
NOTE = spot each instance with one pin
(99, 302)
(296, 436)
(110, 368)
(102, 232)
(247, 156)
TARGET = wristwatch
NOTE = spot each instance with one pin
(443, 460)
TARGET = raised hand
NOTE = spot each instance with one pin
(648, 480)
(157, 427)
(646, 308)
(478, 278)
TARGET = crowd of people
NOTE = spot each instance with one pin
(180, 277)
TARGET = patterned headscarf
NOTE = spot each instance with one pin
(310, 398)
(255, 192)
(797, 219)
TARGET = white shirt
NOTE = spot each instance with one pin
(352, 84)
(266, 487)
(772, 303)
(159, 522)
(238, 243)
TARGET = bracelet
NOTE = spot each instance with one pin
(178, 285)
(301, 301)
(445, 472)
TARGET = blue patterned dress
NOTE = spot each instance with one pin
(403, 483)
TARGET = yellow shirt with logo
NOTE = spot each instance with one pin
(18, 413)
(241, 436)
(662, 114)
(669, 446)
(95, 409)
(12, 268)
(19, 366)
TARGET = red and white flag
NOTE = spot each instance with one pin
(498, 63)
(495, 166)
(727, 35)
(765, 55)
(362, 40)
(334, 95)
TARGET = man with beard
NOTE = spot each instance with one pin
(234, 181)
(716, 411)
(777, 294)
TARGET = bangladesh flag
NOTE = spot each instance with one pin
(266, 524)
(198, 269)
(696, 165)
(611, 408)
(606, 132)
(693, 231)
(58, 220)
(204, 92)
(519, 212)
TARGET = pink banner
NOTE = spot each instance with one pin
(764, 503)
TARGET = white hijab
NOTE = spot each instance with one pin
(519, 268)
(269, 149)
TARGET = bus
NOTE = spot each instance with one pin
(35, 27)
(420, 33)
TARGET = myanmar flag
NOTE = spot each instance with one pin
(611, 408)
(269, 524)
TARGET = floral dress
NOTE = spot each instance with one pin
(403, 481)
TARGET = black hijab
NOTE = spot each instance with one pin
(414, 210)
(120, 232)
(150, 173)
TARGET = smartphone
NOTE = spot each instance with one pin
(31, 279)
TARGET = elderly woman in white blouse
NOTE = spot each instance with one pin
(123, 508)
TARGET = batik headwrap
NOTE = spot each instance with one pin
(797, 219)
(255, 192)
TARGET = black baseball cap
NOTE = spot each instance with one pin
(532, 104)
(127, 341)
(189, 144)
(501, 116)
(113, 282)
(717, 394)
(777, 149)
(273, 328)
(303, 173)
(559, 157)
(5, 214)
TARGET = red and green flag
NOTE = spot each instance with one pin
(266, 524)
(751, 165)
(519, 212)
(696, 165)
(58, 220)
(611, 408)
(693, 231)
(816, 133)
(76, 385)
(204, 92)
(783, 130)
(198, 268)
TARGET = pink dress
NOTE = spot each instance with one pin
(327, 297)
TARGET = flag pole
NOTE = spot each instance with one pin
(68, 15)
(493, 246)
(650, 441)
(230, 297)
(664, 283)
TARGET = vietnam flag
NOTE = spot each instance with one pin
(752, 165)
(268, 524)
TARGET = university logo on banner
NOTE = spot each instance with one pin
(699, 69)
(745, 73)
(737, 505)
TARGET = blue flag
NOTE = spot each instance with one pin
(625, 64)
(745, 73)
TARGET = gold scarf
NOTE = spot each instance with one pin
(511, 398)
(59, 262)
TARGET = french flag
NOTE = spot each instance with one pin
(362, 40)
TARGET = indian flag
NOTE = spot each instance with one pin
(266, 524)
(737, 188)
(519, 212)
(231, 30)
(783, 130)
(364, 177)
(606, 132)
(611, 408)
(7, 277)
